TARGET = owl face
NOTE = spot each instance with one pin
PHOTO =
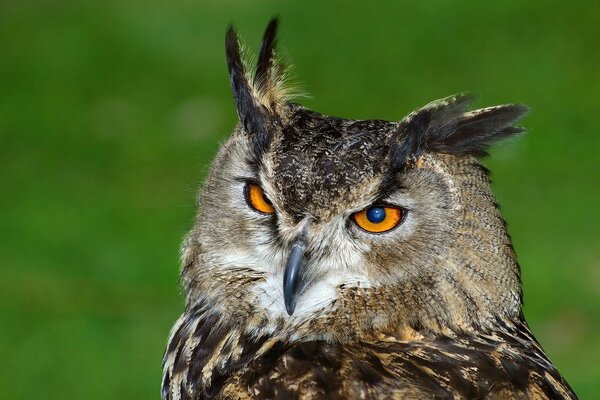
(307, 219)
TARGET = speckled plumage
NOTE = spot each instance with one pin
(430, 309)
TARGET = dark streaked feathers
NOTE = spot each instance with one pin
(258, 94)
(253, 116)
(504, 364)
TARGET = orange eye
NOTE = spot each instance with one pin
(378, 219)
(257, 200)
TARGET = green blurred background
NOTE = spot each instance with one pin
(111, 111)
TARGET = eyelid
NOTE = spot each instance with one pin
(248, 179)
(380, 203)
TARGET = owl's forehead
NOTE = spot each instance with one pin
(322, 165)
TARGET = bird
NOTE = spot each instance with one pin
(334, 258)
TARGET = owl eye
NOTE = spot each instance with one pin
(378, 219)
(256, 199)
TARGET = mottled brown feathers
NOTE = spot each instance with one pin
(504, 364)
(431, 309)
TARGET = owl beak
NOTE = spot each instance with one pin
(292, 275)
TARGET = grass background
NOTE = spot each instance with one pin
(110, 112)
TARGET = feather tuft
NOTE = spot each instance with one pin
(445, 126)
(271, 84)
(260, 96)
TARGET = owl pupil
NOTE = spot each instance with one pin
(267, 200)
(376, 214)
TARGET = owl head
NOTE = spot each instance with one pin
(312, 226)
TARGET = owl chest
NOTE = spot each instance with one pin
(208, 361)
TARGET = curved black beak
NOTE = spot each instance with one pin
(292, 275)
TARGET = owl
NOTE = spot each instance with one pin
(352, 259)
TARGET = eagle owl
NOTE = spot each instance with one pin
(344, 259)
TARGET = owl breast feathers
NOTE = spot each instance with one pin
(342, 259)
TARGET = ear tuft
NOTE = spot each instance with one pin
(258, 97)
(266, 55)
(240, 87)
(445, 126)
(252, 115)
(270, 81)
